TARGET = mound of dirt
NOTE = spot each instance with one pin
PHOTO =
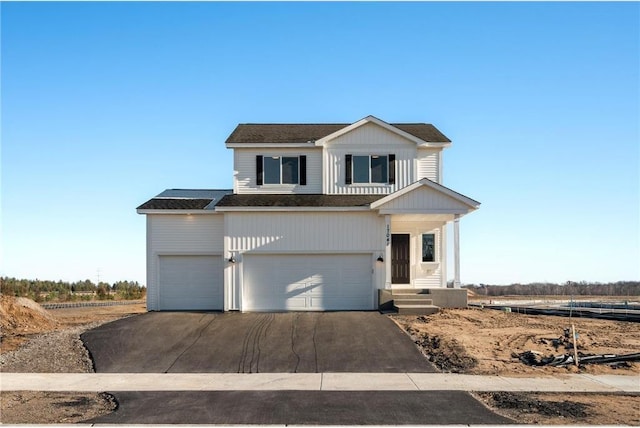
(22, 316)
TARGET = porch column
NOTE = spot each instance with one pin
(456, 251)
(387, 252)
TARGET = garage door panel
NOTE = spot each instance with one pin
(191, 282)
(307, 282)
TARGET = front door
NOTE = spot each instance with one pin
(400, 259)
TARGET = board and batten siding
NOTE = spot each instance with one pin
(244, 161)
(428, 164)
(369, 139)
(179, 234)
(424, 275)
(305, 232)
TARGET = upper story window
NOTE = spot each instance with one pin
(281, 170)
(370, 169)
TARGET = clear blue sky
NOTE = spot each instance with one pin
(104, 105)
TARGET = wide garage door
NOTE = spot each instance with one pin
(307, 282)
(191, 283)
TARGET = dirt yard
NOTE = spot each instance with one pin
(466, 341)
(487, 342)
(33, 339)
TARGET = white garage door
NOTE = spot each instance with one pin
(307, 282)
(191, 283)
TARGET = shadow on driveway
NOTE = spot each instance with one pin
(293, 342)
(301, 407)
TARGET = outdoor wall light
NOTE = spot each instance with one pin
(380, 259)
(231, 259)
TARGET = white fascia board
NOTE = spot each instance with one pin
(177, 212)
(433, 145)
(460, 212)
(289, 209)
(306, 145)
(372, 119)
(431, 184)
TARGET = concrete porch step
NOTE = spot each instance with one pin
(416, 309)
(412, 300)
(410, 291)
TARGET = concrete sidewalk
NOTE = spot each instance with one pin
(99, 382)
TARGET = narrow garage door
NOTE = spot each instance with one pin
(307, 282)
(191, 283)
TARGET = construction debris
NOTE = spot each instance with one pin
(533, 358)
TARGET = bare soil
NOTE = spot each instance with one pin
(465, 341)
(39, 341)
(486, 342)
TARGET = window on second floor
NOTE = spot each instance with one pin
(370, 169)
(281, 170)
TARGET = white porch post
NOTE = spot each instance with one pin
(387, 252)
(456, 251)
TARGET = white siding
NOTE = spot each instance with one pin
(366, 140)
(428, 164)
(305, 232)
(423, 275)
(424, 199)
(244, 161)
(179, 235)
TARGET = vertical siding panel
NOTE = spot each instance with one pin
(285, 232)
(370, 139)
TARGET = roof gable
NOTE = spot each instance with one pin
(420, 129)
(425, 196)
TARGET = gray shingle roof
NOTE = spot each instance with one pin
(175, 204)
(301, 133)
(185, 199)
(289, 200)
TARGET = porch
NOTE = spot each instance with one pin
(415, 251)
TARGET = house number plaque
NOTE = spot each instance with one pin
(388, 234)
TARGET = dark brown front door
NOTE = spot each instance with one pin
(400, 259)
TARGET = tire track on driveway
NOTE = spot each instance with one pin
(200, 331)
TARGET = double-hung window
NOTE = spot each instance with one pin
(370, 169)
(281, 170)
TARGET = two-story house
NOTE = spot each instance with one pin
(321, 217)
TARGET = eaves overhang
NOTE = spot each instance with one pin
(291, 209)
(306, 145)
(178, 212)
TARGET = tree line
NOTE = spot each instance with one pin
(570, 288)
(63, 291)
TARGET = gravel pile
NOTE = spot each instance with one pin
(54, 352)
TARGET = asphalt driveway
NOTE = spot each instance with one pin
(294, 342)
(301, 408)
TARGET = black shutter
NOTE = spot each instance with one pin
(392, 169)
(347, 174)
(303, 170)
(259, 170)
